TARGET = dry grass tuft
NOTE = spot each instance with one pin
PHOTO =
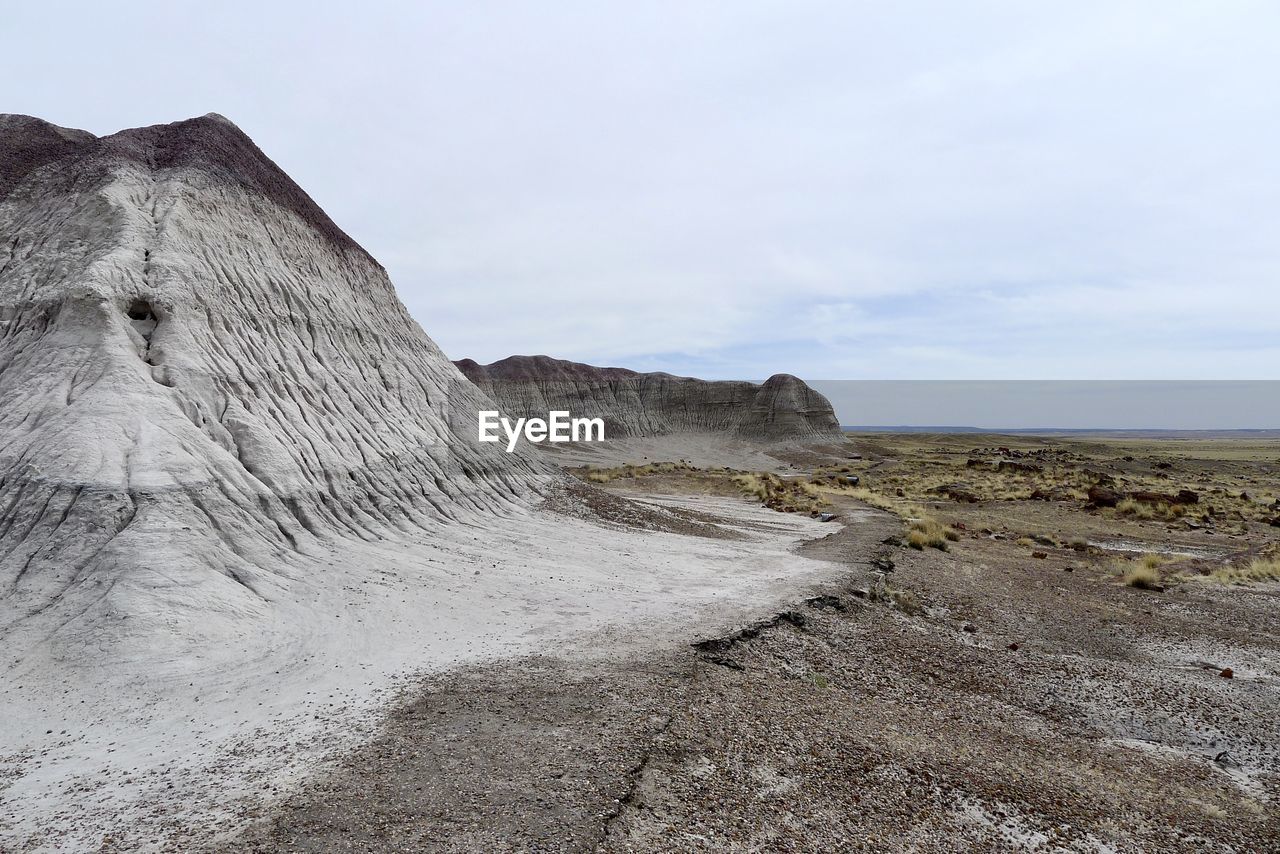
(925, 531)
(1262, 569)
(1135, 509)
(1143, 577)
(1144, 573)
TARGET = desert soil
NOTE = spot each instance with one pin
(1008, 693)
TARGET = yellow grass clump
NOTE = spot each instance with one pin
(925, 531)
(1262, 569)
(1144, 573)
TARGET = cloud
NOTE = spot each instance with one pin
(832, 189)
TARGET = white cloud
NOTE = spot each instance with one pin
(834, 189)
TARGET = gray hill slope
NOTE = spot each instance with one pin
(636, 404)
(201, 378)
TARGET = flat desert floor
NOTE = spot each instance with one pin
(986, 643)
(1018, 682)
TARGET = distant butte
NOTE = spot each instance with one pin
(633, 404)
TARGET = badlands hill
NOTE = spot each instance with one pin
(783, 408)
(202, 378)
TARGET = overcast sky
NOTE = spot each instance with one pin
(838, 190)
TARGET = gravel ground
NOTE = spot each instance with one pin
(992, 697)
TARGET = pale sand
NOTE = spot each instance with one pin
(142, 748)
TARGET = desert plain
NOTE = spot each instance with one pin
(997, 664)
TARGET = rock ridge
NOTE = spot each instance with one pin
(631, 403)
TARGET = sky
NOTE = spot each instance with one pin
(838, 190)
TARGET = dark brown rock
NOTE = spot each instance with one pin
(1101, 496)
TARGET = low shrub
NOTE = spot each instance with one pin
(925, 531)
(1143, 573)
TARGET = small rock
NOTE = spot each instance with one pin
(1040, 555)
(970, 628)
(1013, 647)
(883, 563)
(1227, 673)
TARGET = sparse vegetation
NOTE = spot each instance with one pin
(877, 500)
(786, 496)
(903, 600)
(1261, 569)
(1147, 510)
(933, 469)
(1143, 573)
(607, 475)
(925, 531)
